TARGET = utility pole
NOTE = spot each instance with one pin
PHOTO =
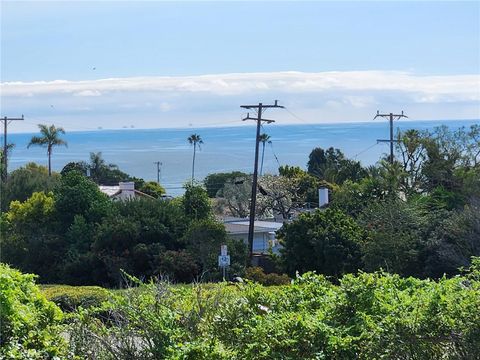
(260, 108)
(6, 121)
(158, 170)
(391, 118)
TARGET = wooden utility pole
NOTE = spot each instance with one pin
(6, 121)
(391, 118)
(158, 170)
(260, 108)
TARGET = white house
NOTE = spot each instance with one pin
(123, 191)
(264, 237)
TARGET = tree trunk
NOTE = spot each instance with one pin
(263, 153)
(193, 162)
(49, 152)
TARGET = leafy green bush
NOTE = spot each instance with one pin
(257, 274)
(366, 316)
(69, 298)
(29, 323)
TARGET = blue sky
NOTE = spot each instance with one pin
(319, 58)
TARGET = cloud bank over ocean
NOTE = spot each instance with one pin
(213, 100)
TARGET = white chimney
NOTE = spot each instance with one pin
(322, 197)
(127, 189)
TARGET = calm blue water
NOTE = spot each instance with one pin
(224, 149)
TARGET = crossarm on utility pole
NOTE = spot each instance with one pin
(391, 117)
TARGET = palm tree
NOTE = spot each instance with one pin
(49, 139)
(96, 166)
(264, 138)
(194, 140)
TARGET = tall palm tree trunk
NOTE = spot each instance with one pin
(263, 153)
(193, 162)
(49, 152)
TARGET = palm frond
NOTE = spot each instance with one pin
(37, 140)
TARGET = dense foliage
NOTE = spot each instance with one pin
(76, 235)
(216, 181)
(367, 316)
(29, 324)
(324, 241)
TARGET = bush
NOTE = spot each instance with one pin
(69, 298)
(366, 316)
(29, 323)
(258, 275)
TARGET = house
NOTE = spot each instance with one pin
(264, 237)
(123, 191)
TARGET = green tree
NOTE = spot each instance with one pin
(106, 174)
(50, 137)
(78, 195)
(80, 166)
(264, 138)
(332, 166)
(194, 140)
(203, 239)
(216, 181)
(452, 242)
(328, 242)
(308, 184)
(32, 242)
(24, 181)
(395, 236)
(411, 146)
(153, 189)
(134, 236)
(196, 203)
(4, 160)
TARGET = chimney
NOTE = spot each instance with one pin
(322, 197)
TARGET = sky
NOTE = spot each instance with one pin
(86, 65)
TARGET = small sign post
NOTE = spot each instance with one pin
(223, 259)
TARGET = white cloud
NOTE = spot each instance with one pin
(212, 99)
(88, 93)
(459, 87)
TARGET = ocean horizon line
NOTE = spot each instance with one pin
(236, 124)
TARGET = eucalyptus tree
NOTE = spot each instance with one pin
(194, 140)
(50, 137)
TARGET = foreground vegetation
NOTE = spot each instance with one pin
(364, 316)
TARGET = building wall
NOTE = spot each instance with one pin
(261, 241)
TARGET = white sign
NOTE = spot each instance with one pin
(223, 250)
(224, 260)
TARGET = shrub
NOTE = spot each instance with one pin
(29, 323)
(366, 316)
(69, 298)
(258, 275)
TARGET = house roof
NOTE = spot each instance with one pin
(241, 227)
(111, 191)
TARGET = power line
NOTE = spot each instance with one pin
(259, 109)
(6, 122)
(391, 117)
(368, 148)
(297, 117)
(273, 151)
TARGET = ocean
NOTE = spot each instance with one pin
(225, 149)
